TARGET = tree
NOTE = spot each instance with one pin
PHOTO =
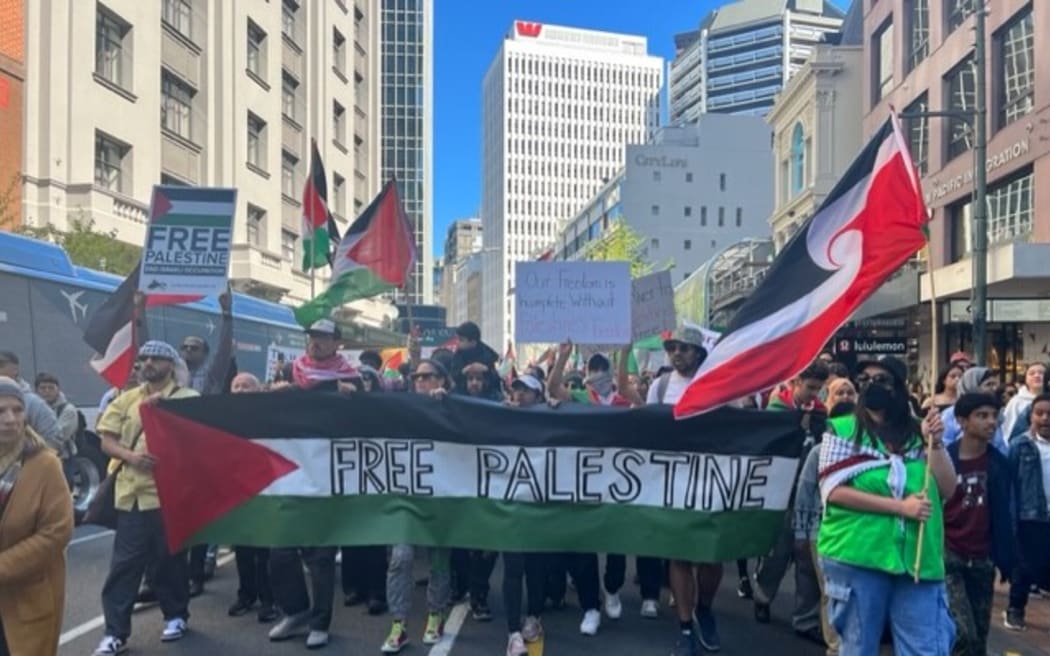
(89, 248)
(621, 243)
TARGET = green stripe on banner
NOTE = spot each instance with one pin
(498, 526)
(194, 220)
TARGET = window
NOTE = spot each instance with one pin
(957, 12)
(687, 245)
(256, 50)
(703, 215)
(256, 225)
(1010, 210)
(721, 181)
(1017, 78)
(112, 164)
(288, 239)
(688, 211)
(338, 51)
(654, 243)
(918, 130)
(256, 141)
(688, 177)
(288, 164)
(112, 48)
(288, 19)
(178, 14)
(289, 96)
(739, 217)
(918, 32)
(962, 84)
(798, 159)
(176, 105)
(883, 62)
(339, 194)
(655, 210)
(656, 176)
(338, 122)
(721, 217)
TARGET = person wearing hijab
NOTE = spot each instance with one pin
(975, 380)
(36, 523)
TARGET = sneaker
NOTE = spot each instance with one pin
(650, 609)
(267, 614)
(316, 639)
(481, 612)
(532, 630)
(516, 645)
(240, 608)
(762, 615)
(592, 619)
(686, 645)
(613, 606)
(708, 636)
(743, 589)
(1013, 619)
(397, 639)
(435, 629)
(173, 630)
(289, 627)
(111, 645)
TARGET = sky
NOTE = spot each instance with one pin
(467, 36)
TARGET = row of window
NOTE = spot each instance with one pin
(658, 177)
(688, 212)
(565, 69)
(547, 109)
(1011, 207)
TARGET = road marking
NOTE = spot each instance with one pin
(90, 537)
(452, 627)
(96, 622)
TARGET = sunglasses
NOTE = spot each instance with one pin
(878, 379)
(678, 348)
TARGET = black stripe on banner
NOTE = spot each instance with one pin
(292, 414)
(198, 194)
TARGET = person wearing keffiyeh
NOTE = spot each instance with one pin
(872, 475)
(322, 366)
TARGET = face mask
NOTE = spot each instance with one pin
(601, 382)
(877, 397)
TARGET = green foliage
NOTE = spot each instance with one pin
(621, 243)
(90, 248)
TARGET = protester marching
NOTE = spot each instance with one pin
(897, 514)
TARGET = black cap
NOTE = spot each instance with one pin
(894, 366)
(469, 330)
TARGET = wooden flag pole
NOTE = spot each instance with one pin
(935, 351)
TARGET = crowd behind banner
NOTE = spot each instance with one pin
(901, 501)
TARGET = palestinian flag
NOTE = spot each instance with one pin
(320, 232)
(507, 366)
(316, 468)
(110, 330)
(870, 224)
(392, 360)
(376, 255)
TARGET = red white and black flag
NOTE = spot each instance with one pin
(869, 225)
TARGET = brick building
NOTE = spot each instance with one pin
(12, 77)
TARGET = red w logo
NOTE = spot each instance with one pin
(528, 29)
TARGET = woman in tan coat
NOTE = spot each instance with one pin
(36, 522)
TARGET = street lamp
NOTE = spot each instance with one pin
(976, 119)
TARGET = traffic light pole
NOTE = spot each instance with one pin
(980, 206)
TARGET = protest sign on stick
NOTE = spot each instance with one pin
(585, 302)
(187, 249)
(652, 305)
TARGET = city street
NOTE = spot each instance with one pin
(213, 633)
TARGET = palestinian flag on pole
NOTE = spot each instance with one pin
(318, 468)
(320, 232)
(870, 224)
(376, 255)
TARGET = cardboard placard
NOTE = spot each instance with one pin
(586, 302)
(652, 305)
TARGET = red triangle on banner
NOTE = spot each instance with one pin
(160, 206)
(202, 472)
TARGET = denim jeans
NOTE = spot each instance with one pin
(862, 600)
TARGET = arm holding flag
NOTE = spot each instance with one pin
(556, 383)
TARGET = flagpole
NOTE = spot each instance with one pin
(933, 368)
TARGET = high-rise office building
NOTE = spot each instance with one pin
(559, 105)
(743, 53)
(128, 94)
(407, 120)
(462, 240)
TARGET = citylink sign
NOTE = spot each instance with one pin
(940, 189)
(661, 161)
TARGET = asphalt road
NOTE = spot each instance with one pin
(212, 633)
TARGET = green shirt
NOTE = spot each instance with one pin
(877, 541)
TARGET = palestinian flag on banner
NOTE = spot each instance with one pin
(315, 469)
(376, 255)
(870, 224)
(320, 232)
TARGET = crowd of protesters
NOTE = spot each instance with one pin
(964, 472)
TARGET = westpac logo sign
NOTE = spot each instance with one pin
(525, 28)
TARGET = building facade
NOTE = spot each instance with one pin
(921, 59)
(559, 105)
(240, 89)
(743, 53)
(695, 190)
(407, 109)
(12, 119)
(462, 240)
